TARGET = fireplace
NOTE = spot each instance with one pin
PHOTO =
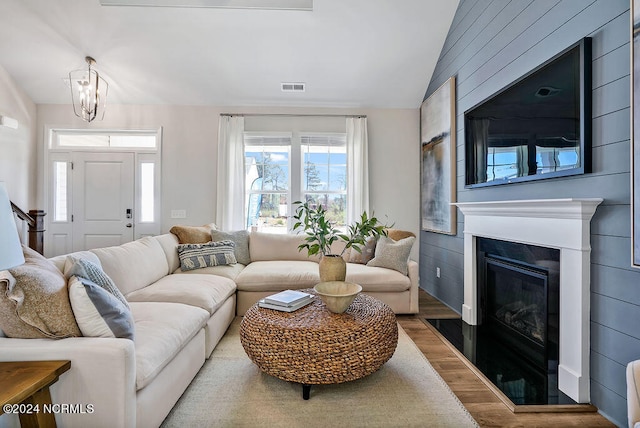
(518, 298)
(562, 225)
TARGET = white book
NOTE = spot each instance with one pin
(287, 298)
(263, 304)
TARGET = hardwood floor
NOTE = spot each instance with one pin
(483, 404)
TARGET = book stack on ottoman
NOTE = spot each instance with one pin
(286, 301)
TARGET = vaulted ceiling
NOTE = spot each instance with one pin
(349, 53)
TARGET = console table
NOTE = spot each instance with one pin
(27, 383)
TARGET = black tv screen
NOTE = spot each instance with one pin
(537, 127)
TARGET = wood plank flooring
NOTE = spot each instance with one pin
(483, 404)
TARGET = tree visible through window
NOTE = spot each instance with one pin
(325, 175)
(267, 171)
(280, 169)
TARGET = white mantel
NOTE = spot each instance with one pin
(563, 224)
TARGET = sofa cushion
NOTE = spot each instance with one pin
(376, 278)
(228, 271)
(241, 240)
(61, 261)
(272, 246)
(134, 265)
(98, 312)
(87, 269)
(35, 302)
(278, 275)
(204, 291)
(193, 234)
(169, 242)
(162, 330)
(198, 256)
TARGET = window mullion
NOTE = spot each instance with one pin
(296, 168)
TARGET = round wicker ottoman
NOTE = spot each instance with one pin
(313, 346)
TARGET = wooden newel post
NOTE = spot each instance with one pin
(36, 230)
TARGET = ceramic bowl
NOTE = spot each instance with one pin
(337, 295)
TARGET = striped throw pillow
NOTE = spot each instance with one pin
(98, 312)
(198, 256)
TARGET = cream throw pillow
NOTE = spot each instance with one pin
(392, 254)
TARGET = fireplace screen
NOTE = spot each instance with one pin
(517, 300)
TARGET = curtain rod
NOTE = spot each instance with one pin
(294, 115)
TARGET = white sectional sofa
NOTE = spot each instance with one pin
(179, 318)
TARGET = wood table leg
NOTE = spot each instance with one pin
(41, 418)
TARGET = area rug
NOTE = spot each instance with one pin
(230, 391)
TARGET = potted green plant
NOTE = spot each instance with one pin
(321, 234)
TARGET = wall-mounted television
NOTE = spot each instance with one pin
(535, 128)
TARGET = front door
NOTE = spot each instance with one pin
(103, 199)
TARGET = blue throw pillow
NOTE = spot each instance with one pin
(87, 269)
(98, 312)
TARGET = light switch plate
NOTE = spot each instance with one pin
(178, 213)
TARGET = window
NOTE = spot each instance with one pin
(267, 188)
(324, 175)
(139, 140)
(60, 185)
(147, 192)
(283, 168)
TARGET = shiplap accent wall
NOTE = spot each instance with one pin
(492, 43)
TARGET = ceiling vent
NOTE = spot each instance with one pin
(292, 87)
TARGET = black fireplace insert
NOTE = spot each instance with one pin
(518, 324)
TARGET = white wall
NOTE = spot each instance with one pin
(189, 157)
(18, 146)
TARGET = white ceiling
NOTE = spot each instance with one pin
(350, 53)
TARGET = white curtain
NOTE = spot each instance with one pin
(230, 202)
(358, 170)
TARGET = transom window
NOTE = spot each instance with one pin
(131, 139)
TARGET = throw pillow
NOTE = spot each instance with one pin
(392, 254)
(86, 269)
(397, 234)
(10, 323)
(241, 240)
(40, 300)
(196, 256)
(98, 312)
(193, 234)
(366, 252)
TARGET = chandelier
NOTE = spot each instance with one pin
(88, 92)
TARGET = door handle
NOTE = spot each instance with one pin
(129, 225)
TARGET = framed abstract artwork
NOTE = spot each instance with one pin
(635, 135)
(438, 160)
